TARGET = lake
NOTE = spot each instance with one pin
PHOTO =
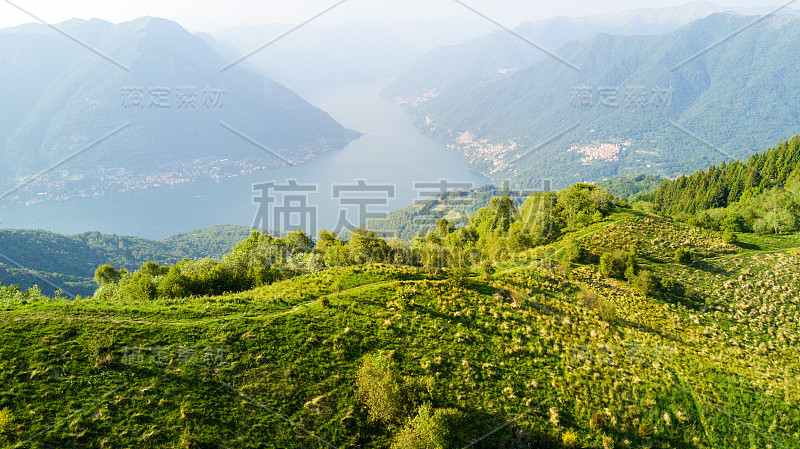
(390, 153)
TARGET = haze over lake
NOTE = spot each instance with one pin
(391, 152)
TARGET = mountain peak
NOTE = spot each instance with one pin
(154, 24)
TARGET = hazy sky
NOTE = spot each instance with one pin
(215, 15)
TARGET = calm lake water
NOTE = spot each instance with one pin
(391, 152)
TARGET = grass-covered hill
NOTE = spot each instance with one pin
(573, 321)
(53, 261)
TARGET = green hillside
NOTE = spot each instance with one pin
(59, 262)
(571, 321)
(576, 358)
(631, 186)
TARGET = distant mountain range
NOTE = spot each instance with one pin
(611, 105)
(500, 52)
(319, 58)
(160, 91)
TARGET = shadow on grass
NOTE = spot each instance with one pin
(708, 267)
(748, 246)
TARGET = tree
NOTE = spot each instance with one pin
(574, 250)
(298, 242)
(608, 267)
(106, 275)
(780, 220)
(539, 223)
(366, 247)
(174, 285)
(733, 222)
(488, 269)
(139, 287)
(153, 269)
(582, 204)
(337, 287)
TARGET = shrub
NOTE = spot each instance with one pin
(647, 283)
(608, 267)
(429, 429)
(761, 227)
(488, 269)
(405, 295)
(619, 264)
(683, 256)
(174, 284)
(569, 439)
(139, 287)
(337, 287)
(604, 308)
(380, 388)
(730, 237)
(153, 269)
(780, 220)
(459, 275)
(6, 420)
(703, 220)
(574, 251)
(668, 283)
(732, 222)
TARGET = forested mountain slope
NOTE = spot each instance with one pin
(636, 104)
(54, 261)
